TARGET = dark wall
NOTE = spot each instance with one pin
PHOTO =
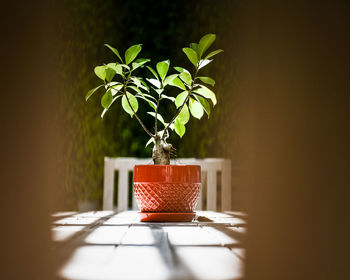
(298, 124)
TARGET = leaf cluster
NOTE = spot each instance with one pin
(195, 97)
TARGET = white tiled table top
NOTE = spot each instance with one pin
(109, 245)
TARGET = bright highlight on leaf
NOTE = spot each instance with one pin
(204, 62)
(154, 82)
(196, 108)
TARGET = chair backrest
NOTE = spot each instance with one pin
(211, 170)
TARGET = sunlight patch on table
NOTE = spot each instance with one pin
(106, 235)
(190, 236)
(142, 236)
(63, 233)
(211, 262)
(88, 262)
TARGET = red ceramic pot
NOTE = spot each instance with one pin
(167, 192)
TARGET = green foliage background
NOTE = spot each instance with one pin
(164, 28)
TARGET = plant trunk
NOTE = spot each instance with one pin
(161, 152)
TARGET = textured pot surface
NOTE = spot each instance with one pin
(167, 188)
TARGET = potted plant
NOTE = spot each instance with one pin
(164, 192)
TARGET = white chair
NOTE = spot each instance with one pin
(209, 166)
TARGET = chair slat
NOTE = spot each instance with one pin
(211, 189)
(108, 184)
(123, 183)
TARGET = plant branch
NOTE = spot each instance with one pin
(156, 116)
(136, 116)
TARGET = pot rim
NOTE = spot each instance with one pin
(163, 165)
(167, 173)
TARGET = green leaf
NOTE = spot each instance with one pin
(109, 74)
(133, 102)
(151, 140)
(159, 117)
(203, 63)
(169, 79)
(177, 83)
(186, 78)
(196, 108)
(180, 69)
(154, 82)
(207, 93)
(115, 51)
(205, 42)
(205, 104)
(100, 72)
(116, 67)
(195, 47)
(91, 92)
(139, 62)
(213, 53)
(132, 52)
(105, 110)
(184, 115)
(153, 72)
(162, 68)
(106, 99)
(207, 80)
(180, 99)
(180, 128)
(191, 55)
